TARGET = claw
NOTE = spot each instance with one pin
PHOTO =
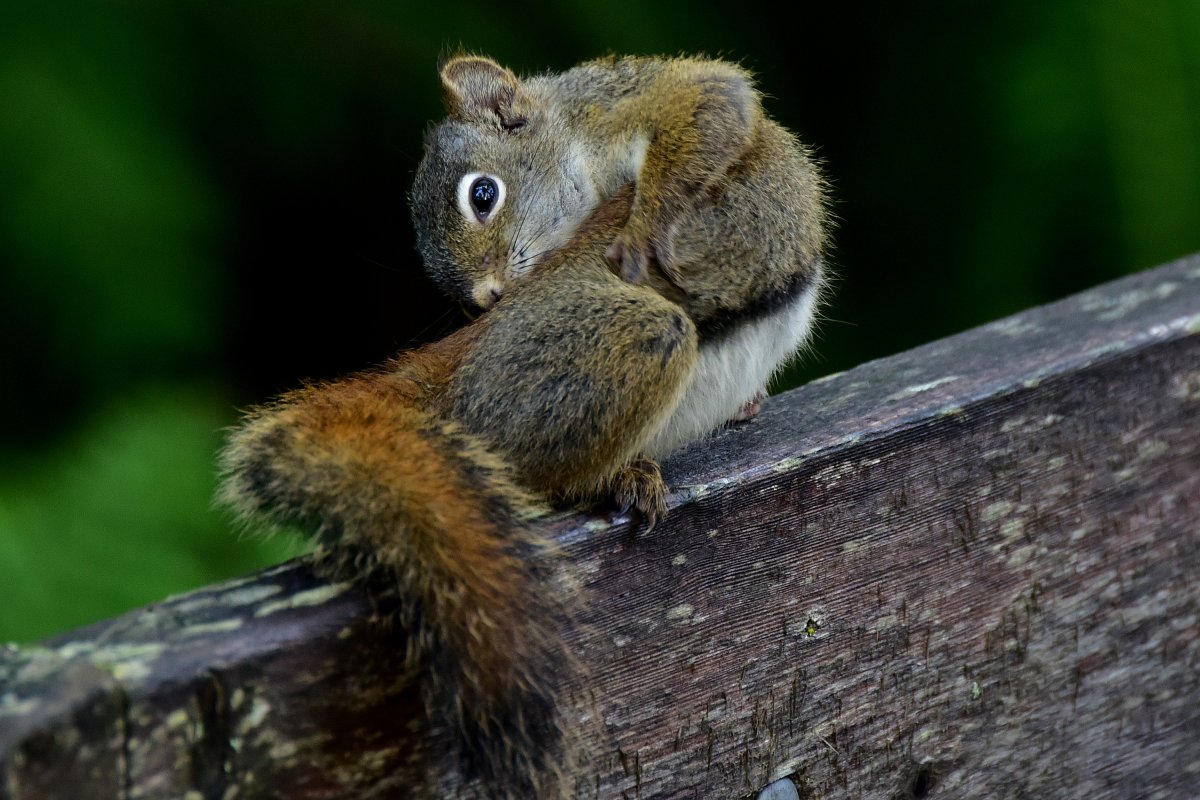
(639, 486)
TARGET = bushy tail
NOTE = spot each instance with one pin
(364, 464)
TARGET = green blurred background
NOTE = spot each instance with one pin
(202, 203)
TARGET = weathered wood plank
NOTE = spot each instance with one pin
(969, 570)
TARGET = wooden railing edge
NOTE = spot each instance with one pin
(844, 593)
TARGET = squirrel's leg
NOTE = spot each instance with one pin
(699, 117)
(601, 394)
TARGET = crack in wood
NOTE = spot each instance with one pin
(210, 754)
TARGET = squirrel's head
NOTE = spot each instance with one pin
(501, 183)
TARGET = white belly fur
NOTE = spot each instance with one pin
(731, 371)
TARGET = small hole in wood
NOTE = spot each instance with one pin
(922, 781)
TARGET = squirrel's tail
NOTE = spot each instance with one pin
(365, 464)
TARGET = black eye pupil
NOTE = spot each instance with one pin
(483, 194)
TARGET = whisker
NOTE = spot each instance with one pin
(420, 335)
(379, 264)
(532, 258)
(518, 241)
(522, 218)
(542, 251)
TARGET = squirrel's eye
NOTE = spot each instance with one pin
(480, 196)
(483, 195)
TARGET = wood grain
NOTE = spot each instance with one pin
(968, 570)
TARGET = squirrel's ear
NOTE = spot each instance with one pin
(473, 85)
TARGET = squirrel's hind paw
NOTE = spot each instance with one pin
(750, 408)
(639, 485)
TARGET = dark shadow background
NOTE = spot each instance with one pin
(202, 203)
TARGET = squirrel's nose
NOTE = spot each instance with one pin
(487, 292)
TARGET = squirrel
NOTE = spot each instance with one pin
(728, 221)
(646, 244)
(431, 471)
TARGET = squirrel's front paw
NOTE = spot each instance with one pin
(639, 485)
(633, 253)
(631, 258)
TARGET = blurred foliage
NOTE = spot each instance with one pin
(202, 203)
(119, 515)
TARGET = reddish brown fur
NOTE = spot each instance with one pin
(394, 464)
(460, 558)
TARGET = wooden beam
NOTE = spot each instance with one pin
(968, 570)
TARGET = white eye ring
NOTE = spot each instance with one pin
(466, 185)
